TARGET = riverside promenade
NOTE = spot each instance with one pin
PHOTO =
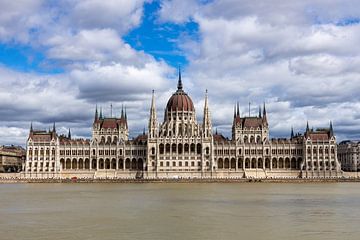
(15, 178)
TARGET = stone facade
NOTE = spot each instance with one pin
(349, 155)
(11, 158)
(180, 147)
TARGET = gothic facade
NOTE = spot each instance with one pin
(181, 147)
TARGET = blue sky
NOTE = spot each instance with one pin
(59, 59)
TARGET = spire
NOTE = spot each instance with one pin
(292, 133)
(216, 132)
(153, 120)
(101, 116)
(207, 126)
(96, 114)
(69, 134)
(264, 110)
(179, 86)
(235, 110)
(331, 129)
(259, 111)
(54, 128)
(125, 114)
(238, 110)
(122, 111)
(307, 126)
(31, 127)
(144, 131)
(264, 114)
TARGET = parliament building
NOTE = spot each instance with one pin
(181, 147)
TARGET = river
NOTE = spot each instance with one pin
(180, 211)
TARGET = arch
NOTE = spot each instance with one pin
(134, 164)
(267, 163)
(198, 148)
(293, 163)
(62, 163)
(233, 163)
(87, 163)
(107, 163)
(161, 148)
(258, 139)
(81, 163)
(101, 163)
(121, 163)
(240, 163)
(186, 148)
(220, 163)
(207, 150)
(281, 163)
(93, 164)
(247, 163)
(167, 148)
(113, 163)
(252, 139)
(260, 163)
(140, 164)
(192, 148)
(180, 148)
(274, 163)
(115, 140)
(108, 141)
(226, 163)
(299, 162)
(287, 163)
(173, 148)
(153, 150)
(253, 163)
(127, 163)
(74, 164)
(246, 139)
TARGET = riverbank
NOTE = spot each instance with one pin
(240, 180)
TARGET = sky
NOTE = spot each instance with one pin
(59, 59)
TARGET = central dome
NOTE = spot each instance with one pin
(180, 100)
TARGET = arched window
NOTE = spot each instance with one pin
(180, 148)
(161, 148)
(192, 147)
(198, 148)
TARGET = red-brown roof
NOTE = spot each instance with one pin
(219, 138)
(111, 122)
(249, 122)
(180, 101)
(319, 136)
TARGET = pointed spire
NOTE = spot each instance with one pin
(216, 132)
(259, 111)
(125, 114)
(235, 110)
(69, 134)
(264, 110)
(238, 110)
(122, 111)
(96, 114)
(31, 127)
(292, 133)
(331, 129)
(54, 128)
(206, 99)
(307, 126)
(179, 86)
(144, 131)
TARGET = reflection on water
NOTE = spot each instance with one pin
(180, 211)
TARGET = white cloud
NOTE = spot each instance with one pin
(289, 54)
